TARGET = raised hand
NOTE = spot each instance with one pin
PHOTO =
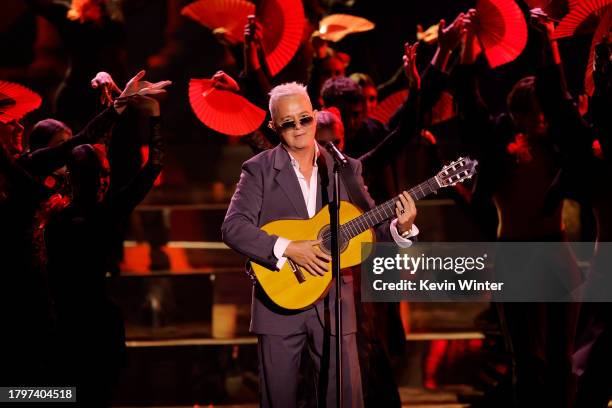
(541, 21)
(105, 83)
(450, 37)
(410, 67)
(253, 32)
(470, 49)
(225, 82)
(137, 87)
(253, 36)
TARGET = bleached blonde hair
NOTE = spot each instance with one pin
(284, 90)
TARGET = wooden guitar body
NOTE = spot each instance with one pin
(300, 290)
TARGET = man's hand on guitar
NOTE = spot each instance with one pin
(308, 255)
(405, 211)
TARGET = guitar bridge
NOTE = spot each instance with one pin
(297, 271)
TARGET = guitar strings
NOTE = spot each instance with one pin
(432, 186)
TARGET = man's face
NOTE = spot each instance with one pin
(332, 68)
(353, 115)
(333, 133)
(370, 94)
(533, 123)
(295, 122)
(11, 134)
(59, 137)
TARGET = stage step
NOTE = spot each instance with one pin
(216, 303)
(241, 341)
(224, 374)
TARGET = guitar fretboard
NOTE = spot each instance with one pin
(385, 210)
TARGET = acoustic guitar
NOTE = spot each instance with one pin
(294, 288)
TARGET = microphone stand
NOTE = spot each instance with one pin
(334, 226)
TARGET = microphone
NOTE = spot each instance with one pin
(338, 156)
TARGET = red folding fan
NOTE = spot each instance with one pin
(604, 27)
(283, 23)
(337, 26)
(581, 13)
(16, 101)
(444, 109)
(501, 30)
(388, 106)
(229, 15)
(222, 110)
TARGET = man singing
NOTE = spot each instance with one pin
(286, 183)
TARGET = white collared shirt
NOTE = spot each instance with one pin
(309, 193)
(309, 190)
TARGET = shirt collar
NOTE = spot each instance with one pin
(294, 162)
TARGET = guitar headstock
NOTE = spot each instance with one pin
(457, 171)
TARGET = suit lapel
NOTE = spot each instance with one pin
(288, 182)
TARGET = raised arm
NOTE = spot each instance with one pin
(476, 123)
(556, 103)
(423, 92)
(434, 79)
(45, 161)
(122, 202)
(601, 102)
(263, 138)
(571, 133)
(255, 82)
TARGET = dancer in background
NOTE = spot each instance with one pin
(593, 357)
(90, 334)
(518, 166)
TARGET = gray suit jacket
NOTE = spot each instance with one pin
(269, 190)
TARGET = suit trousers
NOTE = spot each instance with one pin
(279, 366)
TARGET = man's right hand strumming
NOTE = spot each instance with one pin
(308, 255)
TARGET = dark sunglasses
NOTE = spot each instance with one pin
(291, 124)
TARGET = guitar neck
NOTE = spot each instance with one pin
(386, 210)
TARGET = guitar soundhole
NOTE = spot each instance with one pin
(325, 235)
